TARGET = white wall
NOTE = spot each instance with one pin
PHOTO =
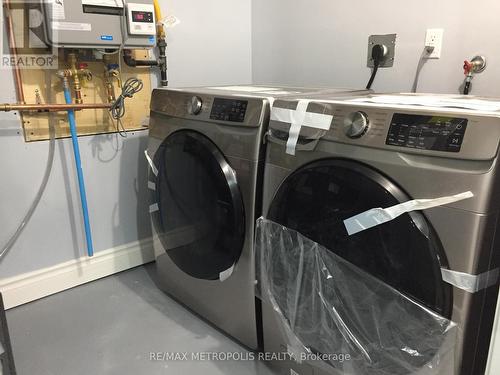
(324, 42)
(211, 46)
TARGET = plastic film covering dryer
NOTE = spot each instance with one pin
(327, 308)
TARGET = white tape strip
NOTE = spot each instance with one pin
(151, 185)
(224, 275)
(311, 120)
(154, 208)
(471, 283)
(377, 216)
(297, 118)
(151, 164)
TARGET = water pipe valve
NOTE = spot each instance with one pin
(476, 65)
(468, 68)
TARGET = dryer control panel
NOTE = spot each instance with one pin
(229, 109)
(220, 109)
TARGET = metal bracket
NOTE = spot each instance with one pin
(389, 41)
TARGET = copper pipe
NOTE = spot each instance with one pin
(13, 51)
(52, 107)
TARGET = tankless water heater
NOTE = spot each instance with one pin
(98, 23)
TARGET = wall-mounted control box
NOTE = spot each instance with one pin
(97, 23)
(141, 19)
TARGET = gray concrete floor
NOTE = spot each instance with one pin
(111, 326)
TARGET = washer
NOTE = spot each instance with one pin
(378, 155)
(207, 155)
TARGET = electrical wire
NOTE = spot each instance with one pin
(117, 110)
(104, 52)
(379, 52)
(421, 62)
(372, 77)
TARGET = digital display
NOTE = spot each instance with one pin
(427, 132)
(229, 110)
(141, 16)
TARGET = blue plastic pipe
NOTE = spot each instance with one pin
(79, 172)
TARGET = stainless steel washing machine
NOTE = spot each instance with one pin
(207, 155)
(379, 155)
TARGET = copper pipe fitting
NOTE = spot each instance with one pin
(108, 84)
(76, 80)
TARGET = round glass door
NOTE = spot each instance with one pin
(404, 253)
(200, 219)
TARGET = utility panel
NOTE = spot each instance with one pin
(98, 23)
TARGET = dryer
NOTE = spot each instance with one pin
(378, 152)
(206, 153)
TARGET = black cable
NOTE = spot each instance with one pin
(117, 110)
(467, 87)
(379, 51)
(372, 77)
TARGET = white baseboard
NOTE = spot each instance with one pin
(31, 286)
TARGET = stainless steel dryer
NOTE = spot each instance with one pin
(378, 155)
(207, 157)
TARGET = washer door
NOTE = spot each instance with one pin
(200, 219)
(405, 253)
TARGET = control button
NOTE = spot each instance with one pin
(356, 124)
(196, 105)
(455, 140)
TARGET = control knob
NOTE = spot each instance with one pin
(196, 105)
(356, 124)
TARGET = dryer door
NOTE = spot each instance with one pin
(200, 218)
(404, 253)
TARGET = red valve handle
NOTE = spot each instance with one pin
(467, 67)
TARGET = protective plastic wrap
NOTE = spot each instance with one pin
(328, 307)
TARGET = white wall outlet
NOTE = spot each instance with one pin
(434, 43)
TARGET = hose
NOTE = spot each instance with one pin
(467, 87)
(48, 168)
(79, 172)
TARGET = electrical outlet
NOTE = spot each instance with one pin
(389, 41)
(434, 43)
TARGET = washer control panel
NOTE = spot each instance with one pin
(233, 110)
(427, 132)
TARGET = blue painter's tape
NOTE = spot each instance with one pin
(106, 37)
